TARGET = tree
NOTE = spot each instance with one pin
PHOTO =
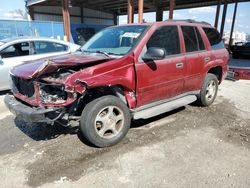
(19, 14)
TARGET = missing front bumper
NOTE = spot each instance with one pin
(30, 114)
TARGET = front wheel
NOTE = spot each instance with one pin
(208, 91)
(105, 121)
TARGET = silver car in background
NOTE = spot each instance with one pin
(18, 50)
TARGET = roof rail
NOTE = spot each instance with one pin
(189, 21)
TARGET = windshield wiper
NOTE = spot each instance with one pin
(98, 51)
(110, 53)
(102, 52)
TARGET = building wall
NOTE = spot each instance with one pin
(237, 37)
(49, 13)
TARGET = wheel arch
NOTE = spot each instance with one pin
(124, 94)
(217, 71)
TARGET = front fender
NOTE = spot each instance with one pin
(116, 72)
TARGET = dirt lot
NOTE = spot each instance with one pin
(189, 147)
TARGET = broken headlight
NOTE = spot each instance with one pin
(52, 93)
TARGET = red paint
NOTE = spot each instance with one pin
(143, 82)
(240, 73)
(29, 70)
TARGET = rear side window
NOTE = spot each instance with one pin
(200, 41)
(42, 47)
(166, 37)
(214, 38)
(192, 39)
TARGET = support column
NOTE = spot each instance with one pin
(130, 11)
(171, 9)
(217, 14)
(159, 14)
(82, 19)
(224, 14)
(115, 19)
(66, 19)
(31, 12)
(140, 11)
(232, 27)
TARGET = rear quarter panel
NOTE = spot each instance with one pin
(219, 57)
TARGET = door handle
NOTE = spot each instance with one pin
(179, 65)
(207, 59)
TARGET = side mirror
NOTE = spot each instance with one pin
(154, 53)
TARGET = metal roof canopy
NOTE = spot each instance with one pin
(130, 7)
(119, 7)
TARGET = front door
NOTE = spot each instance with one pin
(11, 56)
(161, 79)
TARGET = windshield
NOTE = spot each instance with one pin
(115, 40)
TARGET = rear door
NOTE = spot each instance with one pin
(161, 79)
(196, 55)
(42, 49)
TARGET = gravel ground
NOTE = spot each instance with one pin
(189, 147)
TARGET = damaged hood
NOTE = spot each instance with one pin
(37, 68)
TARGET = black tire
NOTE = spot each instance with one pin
(203, 99)
(94, 110)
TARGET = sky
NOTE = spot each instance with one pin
(200, 14)
(8, 6)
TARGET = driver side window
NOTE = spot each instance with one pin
(15, 50)
(166, 37)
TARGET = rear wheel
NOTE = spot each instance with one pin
(209, 90)
(105, 121)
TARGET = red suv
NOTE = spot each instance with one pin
(122, 73)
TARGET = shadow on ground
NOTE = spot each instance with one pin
(75, 159)
(142, 122)
(42, 131)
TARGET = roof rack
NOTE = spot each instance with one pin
(189, 21)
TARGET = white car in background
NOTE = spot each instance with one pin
(15, 51)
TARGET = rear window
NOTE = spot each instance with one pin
(214, 38)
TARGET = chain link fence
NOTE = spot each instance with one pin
(14, 28)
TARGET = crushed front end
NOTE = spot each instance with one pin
(57, 90)
(44, 99)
